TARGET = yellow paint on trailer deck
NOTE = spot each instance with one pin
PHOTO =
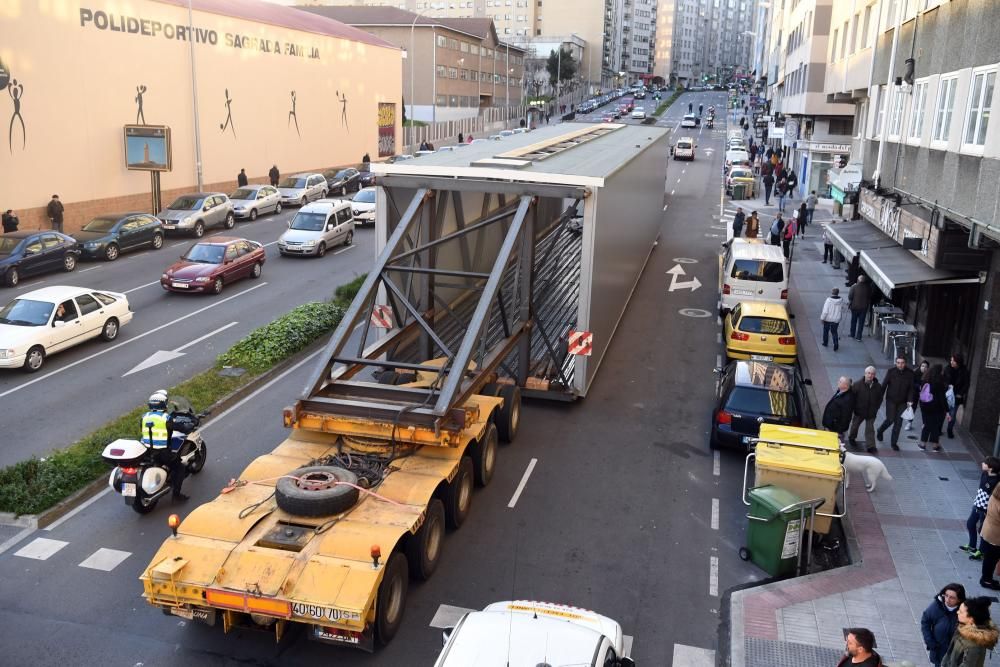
(220, 518)
(256, 570)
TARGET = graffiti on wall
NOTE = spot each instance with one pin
(386, 129)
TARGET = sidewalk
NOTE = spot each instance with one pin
(904, 536)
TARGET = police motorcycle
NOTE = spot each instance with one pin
(142, 468)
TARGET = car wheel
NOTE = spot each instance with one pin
(349, 239)
(277, 208)
(69, 262)
(255, 272)
(111, 252)
(157, 241)
(34, 359)
(317, 491)
(302, 200)
(230, 220)
(217, 286)
(199, 229)
(12, 278)
(253, 214)
(110, 329)
(321, 250)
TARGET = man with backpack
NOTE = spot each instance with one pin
(777, 227)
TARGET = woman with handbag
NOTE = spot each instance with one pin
(933, 407)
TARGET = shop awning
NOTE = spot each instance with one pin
(888, 264)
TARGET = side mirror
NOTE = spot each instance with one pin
(206, 207)
(288, 224)
(329, 226)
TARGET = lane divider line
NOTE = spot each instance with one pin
(713, 576)
(716, 463)
(715, 513)
(524, 481)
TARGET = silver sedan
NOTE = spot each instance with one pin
(253, 200)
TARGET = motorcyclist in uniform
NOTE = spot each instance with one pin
(157, 428)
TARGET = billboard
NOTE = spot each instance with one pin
(147, 147)
(386, 129)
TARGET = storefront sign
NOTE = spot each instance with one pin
(386, 129)
(825, 148)
(791, 129)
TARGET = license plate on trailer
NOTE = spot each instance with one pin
(128, 490)
(761, 357)
(179, 285)
(183, 613)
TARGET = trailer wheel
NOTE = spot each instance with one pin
(458, 495)
(423, 550)
(484, 455)
(508, 417)
(391, 598)
(317, 491)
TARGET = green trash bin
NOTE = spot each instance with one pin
(773, 538)
(739, 190)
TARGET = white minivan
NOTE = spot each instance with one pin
(751, 270)
(317, 227)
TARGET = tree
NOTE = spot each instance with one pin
(562, 67)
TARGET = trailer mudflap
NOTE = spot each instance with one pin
(364, 640)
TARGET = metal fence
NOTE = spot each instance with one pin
(487, 121)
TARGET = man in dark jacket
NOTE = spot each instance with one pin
(10, 221)
(768, 184)
(899, 394)
(274, 175)
(860, 649)
(738, 220)
(839, 409)
(867, 401)
(241, 179)
(55, 212)
(858, 299)
(939, 620)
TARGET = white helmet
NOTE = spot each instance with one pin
(158, 400)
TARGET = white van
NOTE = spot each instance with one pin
(751, 270)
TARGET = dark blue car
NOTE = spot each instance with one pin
(24, 254)
(107, 236)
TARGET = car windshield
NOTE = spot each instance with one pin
(244, 193)
(756, 401)
(205, 253)
(309, 222)
(343, 173)
(26, 313)
(684, 145)
(765, 325)
(185, 204)
(8, 245)
(741, 173)
(758, 270)
(292, 183)
(689, 117)
(365, 197)
(99, 225)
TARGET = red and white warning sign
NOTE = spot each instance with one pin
(382, 317)
(581, 343)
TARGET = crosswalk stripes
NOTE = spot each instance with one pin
(692, 656)
(43, 548)
(40, 548)
(105, 559)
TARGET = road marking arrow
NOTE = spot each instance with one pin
(676, 284)
(163, 356)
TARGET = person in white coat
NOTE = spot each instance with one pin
(833, 312)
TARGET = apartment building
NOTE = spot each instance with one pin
(454, 66)
(663, 56)
(712, 39)
(638, 36)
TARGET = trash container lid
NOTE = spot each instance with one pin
(808, 437)
(822, 462)
(773, 498)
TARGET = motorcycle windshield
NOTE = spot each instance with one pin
(180, 405)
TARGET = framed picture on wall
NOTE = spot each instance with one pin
(147, 148)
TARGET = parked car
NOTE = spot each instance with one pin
(363, 206)
(689, 120)
(740, 174)
(302, 189)
(751, 269)
(608, 117)
(107, 236)
(342, 181)
(28, 253)
(50, 319)
(366, 178)
(196, 212)
(752, 393)
(254, 200)
(524, 632)
(760, 331)
(208, 266)
(317, 227)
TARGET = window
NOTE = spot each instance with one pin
(87, 303)
(441, 72)
(896, 112)
(980, 104)
(917, 115)
(854, 33)
(943, 109)
(843, 44)
(104, 298)
(833, 42)
(51, 241)
(474, 49)
(879, 112)
(841, 126)
(442, 41)
(231, 253)
(441, 101)
(453, 101)
(452, 72)
(453, 44)
(465, 47)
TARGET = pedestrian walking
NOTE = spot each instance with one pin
(988, 479)
(956, 376)
(10, 221)
(366, 161)
(858, 298)
(55, 213)
(859, 650)
(788, 235)
(839, 410)
(768, 181)
(469, 139)
(274, 175)
(753, 226)
(811, 202)
(939, 620)
(918, 382)
(738, 221)
(868, 393)
(974, 637)
(777, 227)
(827, 244)
(899, 397)
(241, 179)
(989, 543)
(933, 407)
(803, 219)
(793, 183)
(833, 312)
(461, 138)
(781, 189)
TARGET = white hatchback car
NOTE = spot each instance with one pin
(47, 320)
(639, 113)
(301, 189)
(690, 120)
(253, 200)
(317, 227)
(363, 206)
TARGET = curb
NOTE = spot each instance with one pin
(68, 504)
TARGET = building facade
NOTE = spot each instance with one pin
(663, 56)
(77, 72)
(638, 39)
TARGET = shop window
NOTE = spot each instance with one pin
(980, 104)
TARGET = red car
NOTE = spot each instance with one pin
(209, 265)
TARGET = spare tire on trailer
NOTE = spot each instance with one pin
(317, 491)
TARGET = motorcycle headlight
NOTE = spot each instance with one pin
(202, 279)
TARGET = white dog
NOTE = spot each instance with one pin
(869, 467)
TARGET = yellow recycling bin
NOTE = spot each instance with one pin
(804, 461)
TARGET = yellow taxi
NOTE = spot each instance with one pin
(761, 332)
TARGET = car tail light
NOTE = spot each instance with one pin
(786, 340)
(726, 289)
(739, 335)
(784, 293)
(723, 417)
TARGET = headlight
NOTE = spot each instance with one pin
(92, 244)
(6, 354)
(165, 276)
(308, 244)
(202, 279)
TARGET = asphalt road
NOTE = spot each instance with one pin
(79, 389)
(626, 512)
